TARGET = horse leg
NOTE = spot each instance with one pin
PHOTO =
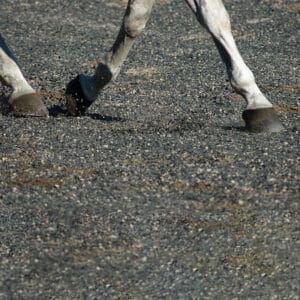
(82, 91)
(259, 115)
(25, 101)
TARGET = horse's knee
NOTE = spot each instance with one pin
(136, 17)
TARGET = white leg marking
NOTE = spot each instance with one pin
(214, 17)
(10, 73)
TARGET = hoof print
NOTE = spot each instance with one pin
(76, 101)
(262, 120)
(28, 105)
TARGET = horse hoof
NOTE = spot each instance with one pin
(76, 102)
(262, 120)
(28, 105)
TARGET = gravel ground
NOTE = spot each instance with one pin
(158, 192)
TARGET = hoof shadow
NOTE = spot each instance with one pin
(235, 128)
(57, 111)
(104, 118)
(5, 108)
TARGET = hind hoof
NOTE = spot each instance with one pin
(28, 105)
(76, 102)
(262, 120)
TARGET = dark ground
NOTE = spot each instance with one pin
(158, 193)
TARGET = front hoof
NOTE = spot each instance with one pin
(76, 102)
(262, 120)
(28, 105)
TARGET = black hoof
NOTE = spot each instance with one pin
(262, 120)
(76, 101)
(29, 105)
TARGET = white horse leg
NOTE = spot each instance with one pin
(82, 91)
(259, 114)
(25, 101)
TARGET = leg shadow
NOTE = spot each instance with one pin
(234, 128)
(58, 111)
(104, 118)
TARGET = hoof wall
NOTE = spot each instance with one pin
(262, 120)
(29, 105)
(76, 101)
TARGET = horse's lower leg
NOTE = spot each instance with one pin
(82, 91)
(259, 114)
(25, 101)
